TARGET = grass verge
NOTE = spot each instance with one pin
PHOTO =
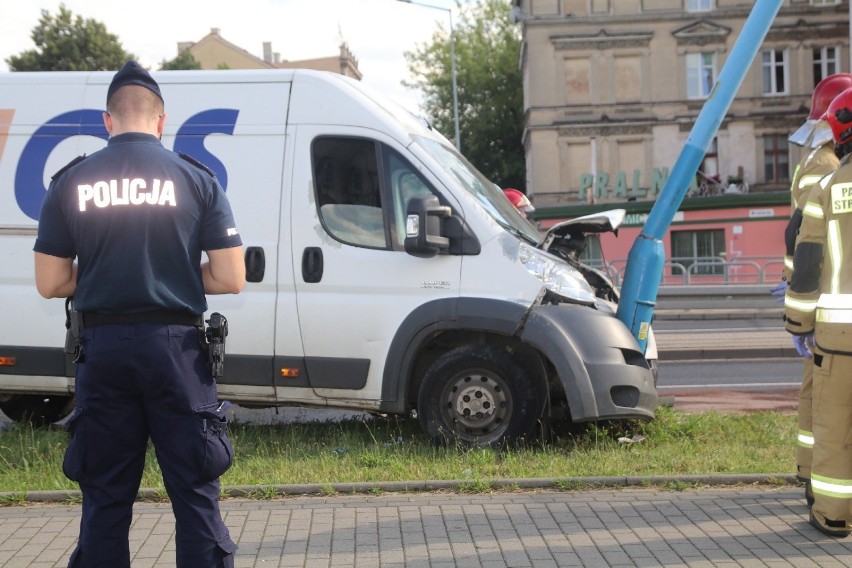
(393, 449)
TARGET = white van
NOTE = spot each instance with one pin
(386, 274)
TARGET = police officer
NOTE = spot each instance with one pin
(137, 218)
(818, 310)
(818, 161)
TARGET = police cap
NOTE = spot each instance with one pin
(133, 74)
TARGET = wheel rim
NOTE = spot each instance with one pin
(478, 405)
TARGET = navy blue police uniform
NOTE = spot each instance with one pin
(137, 218)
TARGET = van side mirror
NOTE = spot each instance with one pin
(423, 227)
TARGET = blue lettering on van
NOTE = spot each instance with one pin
(29, 176)
(190, 138)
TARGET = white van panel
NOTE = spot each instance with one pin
(375, 289)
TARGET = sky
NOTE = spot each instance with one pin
(378, 32)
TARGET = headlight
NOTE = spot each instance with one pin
(556, 276)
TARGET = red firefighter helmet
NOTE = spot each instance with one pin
(839, 117)
(826, 91)
(812, 133)
(519, 200)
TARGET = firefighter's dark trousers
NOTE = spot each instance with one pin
(137, 381)
(831, 472)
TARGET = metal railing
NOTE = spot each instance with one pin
(713, 270)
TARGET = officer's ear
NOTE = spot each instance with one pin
(161, 124)
(108, 122)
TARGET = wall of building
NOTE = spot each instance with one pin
(606, 89)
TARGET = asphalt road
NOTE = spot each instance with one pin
(739, 374)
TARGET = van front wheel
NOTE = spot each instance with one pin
(477, 395)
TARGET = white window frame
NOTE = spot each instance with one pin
(771, 66)
(824, 61)
(696, 73)
(825, 2)
(698, 5)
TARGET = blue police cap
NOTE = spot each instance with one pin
(133, 74)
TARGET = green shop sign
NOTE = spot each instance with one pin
(604, 185)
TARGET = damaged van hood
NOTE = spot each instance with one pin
(602, 222)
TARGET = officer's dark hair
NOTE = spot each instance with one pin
(133, 99)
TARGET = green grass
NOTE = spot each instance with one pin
(393, 449)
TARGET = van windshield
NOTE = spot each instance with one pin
(489, 195)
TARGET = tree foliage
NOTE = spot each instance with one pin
(185, 60)
(489, 88)
(66, 42)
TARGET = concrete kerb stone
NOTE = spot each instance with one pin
(727, 353)
(452, 485)
(719, 314)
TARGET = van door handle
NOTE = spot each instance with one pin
(255, 264)
(312, 265)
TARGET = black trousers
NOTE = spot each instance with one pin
(135, 382)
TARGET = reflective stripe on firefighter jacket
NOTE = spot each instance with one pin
(820, 290)
(815, 165)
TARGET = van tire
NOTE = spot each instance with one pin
(478, 395)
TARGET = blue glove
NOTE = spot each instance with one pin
(804, 344)
(779, 291)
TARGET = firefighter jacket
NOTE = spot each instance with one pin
(819, 298)
(816, 164)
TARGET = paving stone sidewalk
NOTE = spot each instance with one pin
(718, 527)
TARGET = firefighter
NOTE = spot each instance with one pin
(818, 161)
(818, 311)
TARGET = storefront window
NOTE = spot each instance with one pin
(704, 249)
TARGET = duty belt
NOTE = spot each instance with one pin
(92, 319)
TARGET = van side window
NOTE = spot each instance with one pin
(348, 192)
(406, 183)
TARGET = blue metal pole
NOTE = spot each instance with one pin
(646, 258)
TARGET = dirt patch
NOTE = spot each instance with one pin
(786, 401)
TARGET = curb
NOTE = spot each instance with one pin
(699, 314)
(727, 353)
(265, 492)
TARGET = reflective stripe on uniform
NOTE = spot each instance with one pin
(834, 308)
(813, 210)
(805, 439)
(801, 305)
(839, 488)
(809, 180)
(835, 301)
(788, 262)
(824, 315)
(835, 250)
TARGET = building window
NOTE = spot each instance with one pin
(704, 249)
(825, 2)
(776, 159)
(826, 62)
(774, 72)
(700, 74)
(699, 5)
